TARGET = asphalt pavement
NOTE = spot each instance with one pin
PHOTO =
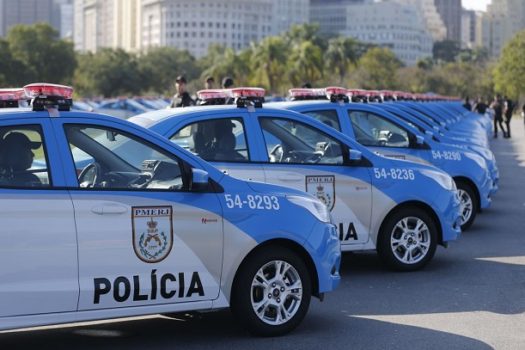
(471, 296)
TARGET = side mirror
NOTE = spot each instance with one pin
(420, 139)
(199, 180)
(355, 155)
(429, 133)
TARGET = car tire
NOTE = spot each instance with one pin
(469, 204)
(408, 239)
(257, 293)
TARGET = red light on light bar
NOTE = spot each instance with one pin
(247, 92)
(304, 92)
(211, 94)
(335, 90)
(14, 94)
(39, 89)
(374, 93)
(357, 92)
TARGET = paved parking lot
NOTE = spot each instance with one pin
(471, 296)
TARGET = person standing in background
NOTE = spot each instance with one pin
(467, 104)
(508, 111)
(497, 106)
(209, 82)
(181, 98)
(480, 106)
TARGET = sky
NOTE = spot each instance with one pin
(480, 5)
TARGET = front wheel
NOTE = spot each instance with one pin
(408, 240)
(469, 206)
(271, 292)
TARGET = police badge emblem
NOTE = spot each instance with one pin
(152, 232)
(322, 187)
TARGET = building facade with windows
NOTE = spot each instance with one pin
(389, 24)
(502, 21)
(13, 12)
(191, 25)
(450, 12)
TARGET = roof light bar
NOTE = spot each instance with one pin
(9, 97)
(250, 92)
(46, 95)
(247, 96)
(211, 94)
(305, 93)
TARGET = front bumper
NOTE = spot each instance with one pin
(325, 250)
(451, 219)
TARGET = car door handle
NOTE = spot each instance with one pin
(106, 209)
(291, 177)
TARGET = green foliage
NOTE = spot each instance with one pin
(269, 62)
(36, 53)
(108, 73)
(446, 50)
(509, 74)
(377, 69)
(159, 67)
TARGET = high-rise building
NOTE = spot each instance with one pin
(65, 10)
(450, 11)
(431, 17)
(93, 24)
(185, 24)
(389, 24)
(289, 12)
(468, 28)
(503, 19)
(13, 12)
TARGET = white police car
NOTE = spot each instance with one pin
(399, 208)
(91, 233)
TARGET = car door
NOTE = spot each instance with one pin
(220, 140)
(143, 238)
(302, 157)
(38, 250)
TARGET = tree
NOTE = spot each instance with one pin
(305, 64)
(341, 56)
(510, 71)
(446, 50)
(268, 63)
(159, 67)
(377, 69)
(38, 54)
(228, 63)
(109, 73)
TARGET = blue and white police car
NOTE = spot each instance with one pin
(92, 232)
(401, 209)
(390, 136)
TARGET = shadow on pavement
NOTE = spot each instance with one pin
(219, 331)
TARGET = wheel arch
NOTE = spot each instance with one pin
(472, 185)
(293, 246)
(420, 205)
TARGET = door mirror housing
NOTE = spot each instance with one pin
(420, 140)
(429, 133)
(200, 180)
(355, 155)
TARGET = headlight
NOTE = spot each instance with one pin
(443, 179)
(314, 206)
(476, 158)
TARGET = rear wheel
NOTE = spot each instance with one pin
(271, 292)
(469, 204)
(408, 239)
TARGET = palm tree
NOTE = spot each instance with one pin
(342, 54)
(269, 62)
